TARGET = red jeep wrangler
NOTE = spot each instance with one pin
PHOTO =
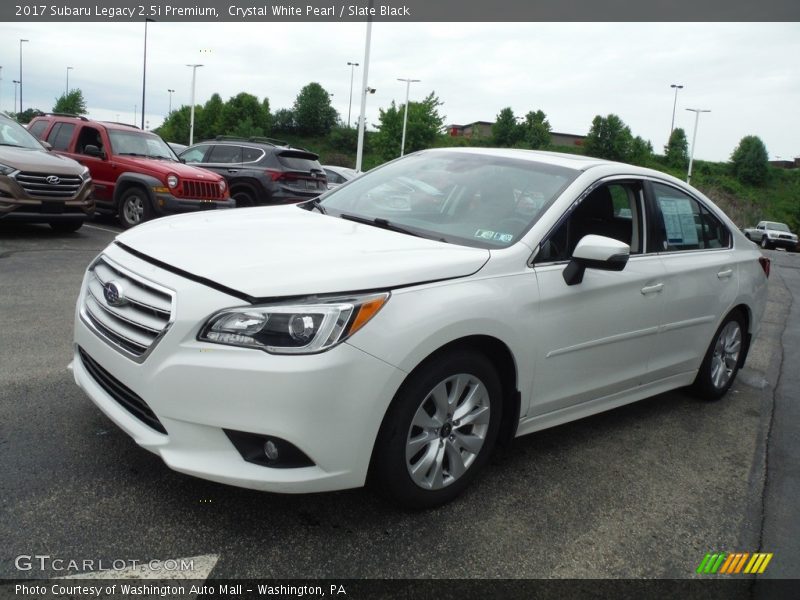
(136, 175)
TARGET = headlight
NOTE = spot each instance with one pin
(85, 174)
(172, 181)
(303, 328)
(222, 185)
(6, 170)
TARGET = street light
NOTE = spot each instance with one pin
(144, 66)
(20, 73)
(352, 66)
(696, 112)
(676, 87)
(405, 113)
(170, 101)
(191, 113)
(15, 94)
(68, 70)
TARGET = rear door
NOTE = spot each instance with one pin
(700, 277)
(104, 171)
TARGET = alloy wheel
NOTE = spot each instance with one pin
(726, 354)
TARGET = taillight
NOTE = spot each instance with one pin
(281, 175)
(765, 264)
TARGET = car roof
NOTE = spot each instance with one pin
(80, 119)
(571, 161)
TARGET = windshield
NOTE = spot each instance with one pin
(14, 134)
(778, 227)
(457, 197)
(139, 143)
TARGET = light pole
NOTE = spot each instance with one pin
(20, 73)
(352, 66)
(144, 67)
(191, 111)
(676, 87)
(170, 101)
(15, 94)
(405, 114)
(68, 70)
(364, 91)
(696, 112)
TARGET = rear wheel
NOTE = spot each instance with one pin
(66, 226)
(243, 198)
(439, 431)
(721, 363)
(134, 208)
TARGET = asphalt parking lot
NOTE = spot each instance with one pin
(644, 491)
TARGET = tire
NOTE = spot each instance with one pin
(765, 243)
(134, 208)
(747, 235)
(722, 360)
(439, 431)
(243, 198)
(66, 226)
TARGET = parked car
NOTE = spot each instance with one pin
(136, 175)
(40, 187)
(338, 175)
(177, 148)
(770, 234)
(341, 341)
(260, 170)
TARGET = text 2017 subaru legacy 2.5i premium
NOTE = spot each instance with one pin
(396, 329)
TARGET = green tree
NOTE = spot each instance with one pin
(537, 130)
(242, 116)
(313, 113)
(283, 121)
(677, 150)
(27, 115)
(266, 116)
(750, 160)
(609, 138)
(208, 123)
(175, 127)
(641, 151)
(506, 131)
(423, 127)
(71, 103)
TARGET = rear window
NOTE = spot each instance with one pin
(60, 135)
(299, 161)
(225, 154)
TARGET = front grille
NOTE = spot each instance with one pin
(37, 186)
(201, 189)
(134, 326)
(124, 396)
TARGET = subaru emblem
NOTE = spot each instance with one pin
(112, 292)
(53, 180)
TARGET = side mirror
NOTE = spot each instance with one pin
(47, 145)
(183, 160)
(596, 252)
(92, 150)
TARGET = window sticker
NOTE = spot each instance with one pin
(494, 236)
(679, 221)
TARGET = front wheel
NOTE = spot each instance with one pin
(721, 363)
(134, 208)
(439, 431)
(765, 243)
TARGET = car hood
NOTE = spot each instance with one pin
(165, 167)
(288, 251)
(38, 161)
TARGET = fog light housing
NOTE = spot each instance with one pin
(268, 450)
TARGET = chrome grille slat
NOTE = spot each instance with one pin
(201, 189)
(137, 325)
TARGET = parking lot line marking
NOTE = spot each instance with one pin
(193, 567)
(102, 229)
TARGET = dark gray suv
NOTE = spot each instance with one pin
(260, 171)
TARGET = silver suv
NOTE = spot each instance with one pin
(40, 187)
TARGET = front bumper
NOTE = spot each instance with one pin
(167, 204)
(329, 405)
(782, 243)
(16, 205)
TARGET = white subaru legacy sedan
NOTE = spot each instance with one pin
(398, 328)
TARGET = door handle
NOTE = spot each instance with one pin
(233, 170)
(724, 274)
(652, 289)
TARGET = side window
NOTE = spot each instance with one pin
(223, 154)
(612, 210)
(333, 177)
(682, 223)
(194, 155)
(60, 136)
(37, 129)
(251, 154)
(89, 136)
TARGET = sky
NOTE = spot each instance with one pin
(746, 74)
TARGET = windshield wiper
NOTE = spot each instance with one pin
(380, 222)
(14, 145)
(315, 203)
(132, 154)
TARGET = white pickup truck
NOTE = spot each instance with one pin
(772, 235)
